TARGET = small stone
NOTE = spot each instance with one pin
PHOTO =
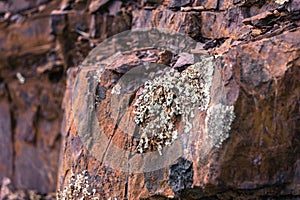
(41, 8)
(7, 15)
(256, 32)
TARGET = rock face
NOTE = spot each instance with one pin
(244, 144)
(39, 41)
(256, 65)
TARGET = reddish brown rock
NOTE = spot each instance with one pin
(35, 33)
(36, 136)
(257, 75)
(215, 26)
(225, 4)
(260, 70)
(40, 40)
(206, 4)
(167, 19)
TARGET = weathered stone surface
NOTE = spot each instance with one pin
(7, 192)
(178, 3)
(96, 5)
(223, 24)
(6, 157)
(40, 40)
(260, 70)
(35, 33)
(266, 84)
(207, 4)
(183, 22)
(264, 129)
(225, 4)
(294, 6)
(36, 135)
(16, 6)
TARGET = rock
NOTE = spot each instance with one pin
(256, 75)
(115, 7)
(103, 23)
(261, 16)
(165, 57)
(38, 40)
(96, 5)
(5, 187)
(225, 4)
(184, 60)
(168, 19)
(6, 143)
(207, 4)
(58, 22)
(293, 6)
(180, 3)
(214, 25)
(36, 134)
(124, 63)
(9, 193)
(13, 6)
(3, 7)
(256, 59)
(28, 37)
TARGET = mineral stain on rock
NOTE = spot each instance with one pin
(100, 93)
(181, 175)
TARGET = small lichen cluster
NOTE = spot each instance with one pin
(281, 2)
(116, 89)
(218, 123)
(166, 98)
(78, 187)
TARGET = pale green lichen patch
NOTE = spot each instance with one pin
(218, 123)
(166, 98)
(79, 187)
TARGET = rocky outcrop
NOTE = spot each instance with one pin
(242, 144)
(39, 41)
(256, 70)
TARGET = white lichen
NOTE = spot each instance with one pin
(79, 187)
(165, 98)
(20, 78)
(218, 123)
(116, 89)
(281, 2)
(97, 75)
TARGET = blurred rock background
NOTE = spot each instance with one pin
(41, 39)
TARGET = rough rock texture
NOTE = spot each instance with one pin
(39, 41)
(258, 40)
(258, 61)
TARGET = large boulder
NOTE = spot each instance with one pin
(236, 137)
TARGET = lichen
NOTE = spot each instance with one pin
(281, 2)
(218, 123)
(166, 98)
(79, 187)
(116, 89)
(20, 78)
